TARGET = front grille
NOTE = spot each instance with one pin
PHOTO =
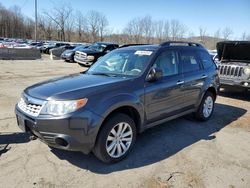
(81, 55)
(30, 107)
(231, 71)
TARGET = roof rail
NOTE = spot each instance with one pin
(127, 45)
(176, 43)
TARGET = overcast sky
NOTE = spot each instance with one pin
(210, 14)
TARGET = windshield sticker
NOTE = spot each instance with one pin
(139, 52)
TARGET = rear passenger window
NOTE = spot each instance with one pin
(189, 61)
(206, 59)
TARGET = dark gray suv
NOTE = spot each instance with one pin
(122, 94)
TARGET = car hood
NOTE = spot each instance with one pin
(89, 51)
(74, 86)
(234, 50)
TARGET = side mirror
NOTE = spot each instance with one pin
(154, 74)
(107, 51)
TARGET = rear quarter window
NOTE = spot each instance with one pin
(206, 59)
(189, 61)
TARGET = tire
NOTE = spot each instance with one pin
(208, 103)
(110, 149)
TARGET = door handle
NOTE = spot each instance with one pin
(203, 76)
(180, 82)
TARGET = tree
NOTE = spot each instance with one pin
(97, 24)
(61, 16)
(177, 29)
(159, 30)
(227, 32)
(147, 27)
(134, 29)
(45, 28)
(203, 33)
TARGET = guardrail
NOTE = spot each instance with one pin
(19, 54)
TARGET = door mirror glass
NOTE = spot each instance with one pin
(154, 74)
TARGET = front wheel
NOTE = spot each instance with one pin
(116, 138)
(206, 107)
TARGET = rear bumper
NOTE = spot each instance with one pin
(235, 83)
(76, 132)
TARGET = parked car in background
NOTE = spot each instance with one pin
(91, 54)
(36, 44)
(59, 50)
(68, 55)
(234, 65)
(46, 48)
(124, 93)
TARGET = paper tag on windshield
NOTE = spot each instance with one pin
(139, 52)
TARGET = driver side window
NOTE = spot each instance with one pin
(167, 62)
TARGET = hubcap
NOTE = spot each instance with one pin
(119, 140)
(208, 107)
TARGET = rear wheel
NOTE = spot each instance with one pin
(206, 107)
(116, 138)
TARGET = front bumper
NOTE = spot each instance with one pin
(235, 83)
(76, 133)
(83, 62)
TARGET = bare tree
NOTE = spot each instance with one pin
(45, 28)
(147, 27)
(203, 33)
(60, 16)
(166, 33)
(227, 32)
(159, 30)
(134, 29)
(103, 25)
(177, 29)
(97, 24)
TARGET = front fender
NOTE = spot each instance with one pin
(108, 105)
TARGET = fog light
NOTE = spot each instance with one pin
(246, 84)
(61, 142)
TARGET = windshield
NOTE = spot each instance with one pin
(122, 62)
(79, 47)
(98, 47)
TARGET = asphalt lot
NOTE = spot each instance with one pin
(180, 153)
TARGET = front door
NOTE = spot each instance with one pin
(164, 97)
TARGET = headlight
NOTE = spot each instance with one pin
(90, 57)
(247, 71)
(58, 108)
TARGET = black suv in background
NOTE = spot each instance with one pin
(234, 64)
(90, 55)
(46, 48)
(125, 92)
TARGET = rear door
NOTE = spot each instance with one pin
(194, 76)
(164, 97)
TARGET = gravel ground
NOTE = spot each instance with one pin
(180, 153)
